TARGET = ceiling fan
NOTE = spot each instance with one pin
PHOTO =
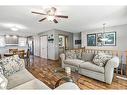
(50, 15)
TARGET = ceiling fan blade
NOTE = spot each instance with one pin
(61, 16)
(42, 19)
(55, 21)
(38, 13)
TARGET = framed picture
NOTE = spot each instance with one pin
(61, 41)
(111, 39)
(98, 40)
(91, 39)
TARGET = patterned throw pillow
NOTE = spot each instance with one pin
(78, 54)
(70, 54)
(10, 65)
(1, 70)
(100, 59)
(87, 56)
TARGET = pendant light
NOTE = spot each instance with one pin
(103, 39)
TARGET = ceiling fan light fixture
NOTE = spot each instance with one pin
(50, 18)
(51, 15)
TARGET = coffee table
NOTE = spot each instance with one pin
(64, 77)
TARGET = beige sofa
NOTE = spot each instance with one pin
(24, 80)
(87, 68)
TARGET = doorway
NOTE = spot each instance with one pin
(44, 47)
(63, 43)
(31, 45)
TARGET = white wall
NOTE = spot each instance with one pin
(22, 41)
(121, 38)
(36, 45)
(76, 36)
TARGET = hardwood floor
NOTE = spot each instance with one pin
(43, 70)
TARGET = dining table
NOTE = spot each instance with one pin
(8, 54)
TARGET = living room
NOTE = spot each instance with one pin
(63, 47)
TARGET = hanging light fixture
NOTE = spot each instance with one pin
(103, 39)
(51, 14)
(50, 18)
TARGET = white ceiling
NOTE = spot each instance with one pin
(81, 18)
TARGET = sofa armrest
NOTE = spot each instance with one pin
(113, 63)
(109, 69)
(34, 84)
(3, 82)
(68, 86)
(62, 56)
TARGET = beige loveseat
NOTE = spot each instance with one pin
(85, 66)
(23, 79)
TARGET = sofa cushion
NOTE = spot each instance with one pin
(87, 56)
(19, 78)
(70, 54)
(34, 84)
(11, 65)
(74, 62)
(100, 59)
(91, 66)
(3, 82)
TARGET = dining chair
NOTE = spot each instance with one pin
(21, 53)
(27, 57)
(14, 51)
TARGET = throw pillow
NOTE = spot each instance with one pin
(10, 65)
(1, 70)
(70, 54)
(78, 54)
(101, 59)
(87, 56)
(3, 82)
